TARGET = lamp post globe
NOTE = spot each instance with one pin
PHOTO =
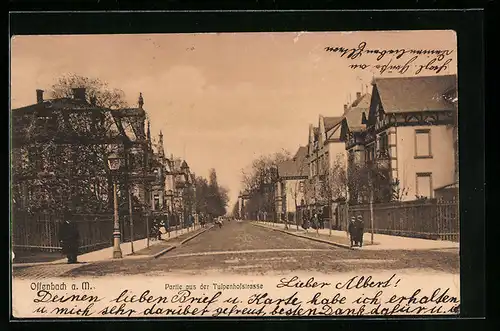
(114, 162)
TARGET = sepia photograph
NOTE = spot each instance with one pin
(235, 174)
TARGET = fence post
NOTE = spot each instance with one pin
(131, 220)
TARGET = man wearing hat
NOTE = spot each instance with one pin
(360, 229)
(69, 237)
(352, 231)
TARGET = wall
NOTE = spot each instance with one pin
(292, 186)
(441, 165)
(336, 149)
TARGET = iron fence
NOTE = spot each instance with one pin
(40, 231)
(427, 219)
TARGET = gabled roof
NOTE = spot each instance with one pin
(301, 153)
(353, 118)
(412, 94)
(296, 167)
(362, 102)
(132, 112)
(331, 122)
(57, 104)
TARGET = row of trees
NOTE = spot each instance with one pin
(259, 180)
(358, 183)
(337, 182)
(211, 198)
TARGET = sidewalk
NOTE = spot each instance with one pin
(381, 241)
(107, 253)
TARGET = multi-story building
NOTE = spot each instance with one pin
(173, 191)
(327, 153)
(353, 129)
(60, 149)
(289, 191)
(409, 133)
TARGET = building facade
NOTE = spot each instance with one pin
(408, 133)
(290, 186)
(173, 191)
(60, 150)
(327, 159)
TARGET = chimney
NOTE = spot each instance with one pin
(140, 101)
(39, 96)
(79, 93)
(345, 109)
(358, 95)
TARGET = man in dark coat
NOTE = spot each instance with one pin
(360, 229)
(352, 231)
(69, 238)
(315, 221)
(321, 221)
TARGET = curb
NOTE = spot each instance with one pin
(324, 241)
(34, 264)
(195, 235)
(166, 250)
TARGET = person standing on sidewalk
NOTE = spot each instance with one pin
(321, 221)
(352, 231)
(69, 238)
(305, 221)
(360, 229)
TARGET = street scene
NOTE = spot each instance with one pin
(254, 249)
(251, 154)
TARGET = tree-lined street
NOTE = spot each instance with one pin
(243, 248)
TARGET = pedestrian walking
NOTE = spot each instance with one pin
(69, 238)
(360, 229)
(157, 228)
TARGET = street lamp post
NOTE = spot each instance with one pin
(131, 216)
(370, 183)
(114, 163)
(170, 195)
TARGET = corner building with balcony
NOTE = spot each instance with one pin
(409, 131)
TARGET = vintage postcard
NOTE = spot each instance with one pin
(290, 174)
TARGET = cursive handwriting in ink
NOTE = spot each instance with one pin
(46, 296)
(358, 282)
(125, 297)
(355, 52)
(297, 283)
(431, 66)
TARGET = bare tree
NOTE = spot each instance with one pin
(298, 190)
(259, 180)
(398, 192)
(334, 185)
(98, 92)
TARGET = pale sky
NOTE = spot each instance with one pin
(221, 99)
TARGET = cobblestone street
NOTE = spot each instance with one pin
(243, 248)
